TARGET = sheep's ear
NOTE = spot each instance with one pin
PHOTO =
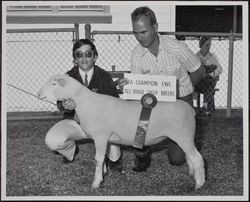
(61, 82)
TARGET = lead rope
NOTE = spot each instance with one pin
(28, 93)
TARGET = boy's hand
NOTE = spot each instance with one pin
(69, 104)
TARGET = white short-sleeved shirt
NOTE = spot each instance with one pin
(174, 59)
(210, 59)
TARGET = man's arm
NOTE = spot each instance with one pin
(197, 75)
(191, 62)
(216, 62)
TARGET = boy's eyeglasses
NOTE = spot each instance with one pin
(87, 54)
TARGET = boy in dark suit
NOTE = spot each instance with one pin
(62, 136)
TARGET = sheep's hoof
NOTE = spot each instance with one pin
(95, 185)
(198, 186)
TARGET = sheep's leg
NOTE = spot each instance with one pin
(101, 146)
(190, 166)
(105, 168)
(198, 168)
(195, 162)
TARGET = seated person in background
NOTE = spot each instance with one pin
(62, 137)
(213, 69)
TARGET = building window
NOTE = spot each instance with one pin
(65, 14)
(59, 9)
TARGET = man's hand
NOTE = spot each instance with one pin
(69, 104)
(121, 82)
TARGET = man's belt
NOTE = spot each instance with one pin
(148, 101)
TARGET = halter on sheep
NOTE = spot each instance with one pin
(108, 119)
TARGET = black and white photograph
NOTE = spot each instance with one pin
(124, 101)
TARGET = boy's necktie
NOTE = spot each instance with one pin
(86, 80)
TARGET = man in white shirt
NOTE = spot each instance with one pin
(162, 55)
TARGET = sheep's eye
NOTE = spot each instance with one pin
(53, 84)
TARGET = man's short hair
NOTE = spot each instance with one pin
(144, 11)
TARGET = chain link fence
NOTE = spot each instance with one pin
(32, 57)
(35, 55)
(115, 49)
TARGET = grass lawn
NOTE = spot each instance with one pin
(34, 170)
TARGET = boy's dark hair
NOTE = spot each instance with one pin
(144, 11)
(83, 42)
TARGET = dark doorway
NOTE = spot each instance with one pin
(207, 19)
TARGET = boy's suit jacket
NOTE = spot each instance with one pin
(101, 82)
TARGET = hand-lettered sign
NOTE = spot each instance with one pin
(163, 87)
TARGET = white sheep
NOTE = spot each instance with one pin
(108, 119)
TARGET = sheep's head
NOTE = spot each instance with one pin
(58, 87)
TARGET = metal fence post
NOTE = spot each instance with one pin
(88, 31)
(77, 31)
(230, 75)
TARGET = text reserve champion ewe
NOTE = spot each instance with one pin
(108, 119)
